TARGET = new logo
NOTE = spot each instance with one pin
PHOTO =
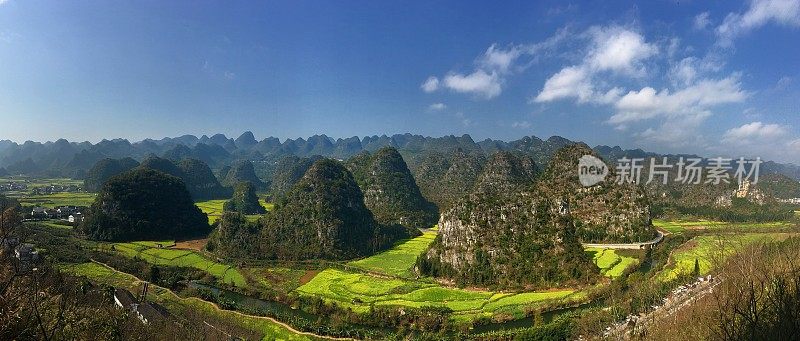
(591, 170)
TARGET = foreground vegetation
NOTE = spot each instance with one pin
(270, 330)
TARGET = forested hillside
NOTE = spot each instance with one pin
(390, 191)
(144, 204)
(322, 216)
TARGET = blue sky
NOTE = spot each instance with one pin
(709, 77)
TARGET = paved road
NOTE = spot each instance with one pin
(629, 246)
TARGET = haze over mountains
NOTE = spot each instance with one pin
(73, 159)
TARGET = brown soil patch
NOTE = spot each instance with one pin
(691, 244)
(194, 244)
(308, 276)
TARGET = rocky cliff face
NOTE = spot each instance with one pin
(508, 242)
(506, 173)
(390, 191)
(605, 212)
(515, 229)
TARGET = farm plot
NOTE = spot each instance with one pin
(57, 199)
(679, 226)
(399, 260)
(610, 262)
(182, 258)
(360, 291)
(709, 250)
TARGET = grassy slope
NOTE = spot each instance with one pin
(148, 252)
(399, 260)
(709, 250)
(175, 304)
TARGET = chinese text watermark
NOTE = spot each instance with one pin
(684, 170)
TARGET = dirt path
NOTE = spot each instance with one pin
(308, 276)
(216, 307)
(194, 244)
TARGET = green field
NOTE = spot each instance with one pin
(679, 226)
(27, 198)
(175, 304)
(399, 260)
(360, 291)
(56, 199)
(611, 263)
(213, 208)
(149, 252)
(709, 250)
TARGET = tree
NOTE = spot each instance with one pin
(696, 271)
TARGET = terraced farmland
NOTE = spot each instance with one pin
(360, 291)
(151, 253)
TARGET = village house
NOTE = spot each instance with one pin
(145, 311)
(75, 218)
(39, 212)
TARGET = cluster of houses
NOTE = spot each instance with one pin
(56, 189)
(73, 214)
(146, 312)
(13, 186)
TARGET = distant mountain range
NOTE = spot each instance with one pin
(73, 159)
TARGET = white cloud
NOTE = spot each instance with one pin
(612, 49)
(761, 12)
(757, 130)
(684, 72)
(701, 21)
(618, 49)
(430, 85)
(480, 83)
(437, 107)
(493, 66)
(759, 139)
(3, 2)
(677, 133)
(499, 59)
(521, 125)
(570, 82)
(648, 103)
